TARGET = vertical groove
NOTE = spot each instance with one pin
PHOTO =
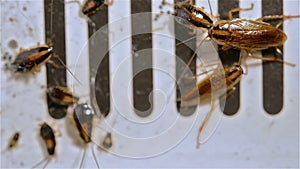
(272, 71)
(102, 88)
(184, 53)
(56, 76)
(230, 56)
(142, 80)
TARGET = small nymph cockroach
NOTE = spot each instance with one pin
(83, 117)
(31, 59)
(242, 34)
(62, 95)
(213, 83)
(90, 7)
(107, 142)
(48, 136)
(13, 141)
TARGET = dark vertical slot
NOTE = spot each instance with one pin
(228, 57)
(56, 75)
(102, 89)
(184, 53)
(272, 71)
(142, 80)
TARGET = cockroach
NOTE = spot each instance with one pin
(31, 59)
(83, 117)
(107, 142)
(211, 88)
(62, 95)
(242, 34)
(48, 136)
(13, 141)
(90, 7)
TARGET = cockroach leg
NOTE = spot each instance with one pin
(279, 24)
(208, 115)
(190, 61)
(13, 141)
(231, 91)
(83, 156)
(204, 123)
(94, 156)
(68, 69)
(230, 17)
(270, 59)
(54, 64)
(277, 17)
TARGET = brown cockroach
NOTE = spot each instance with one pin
(48, 136)
(211, 88)
(31, 59)
(242, 34)
(107, 142)
(83, 118)
(62, 95)
(90, 7)
(13, 141)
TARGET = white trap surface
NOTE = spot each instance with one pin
(251, 138)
